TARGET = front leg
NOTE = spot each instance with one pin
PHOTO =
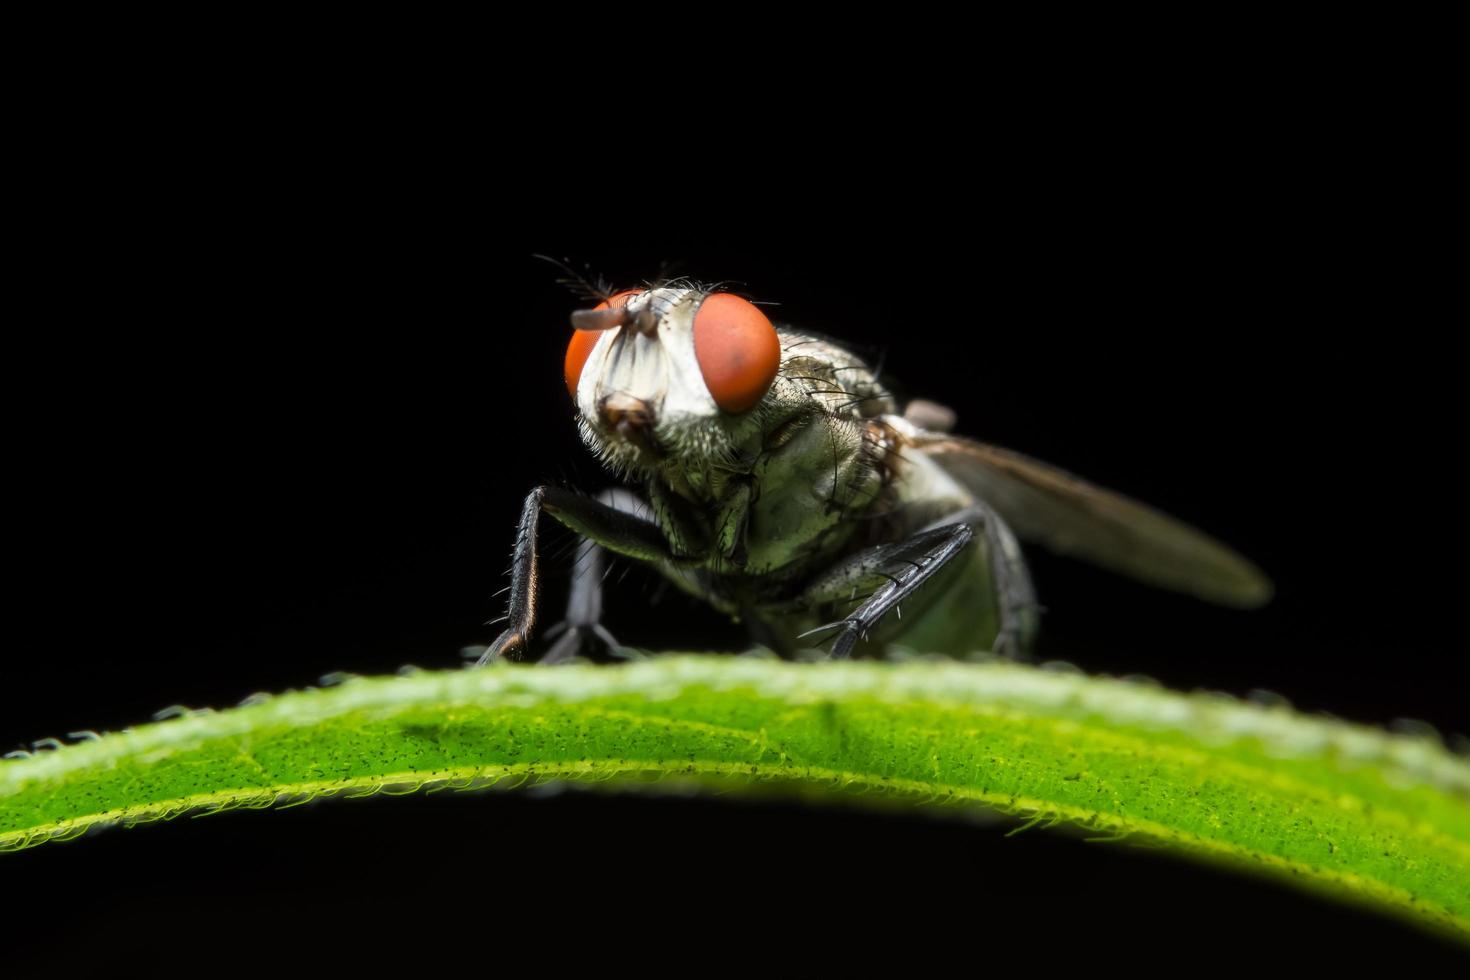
(614, 529)
(582, 626)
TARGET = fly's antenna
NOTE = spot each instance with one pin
(588, 286)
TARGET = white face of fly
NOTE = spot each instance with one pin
(656, 366)
(642, 399)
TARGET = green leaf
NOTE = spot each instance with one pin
(1353, 811)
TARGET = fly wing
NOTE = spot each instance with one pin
(1074, 517)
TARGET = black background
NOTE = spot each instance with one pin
(287, 388)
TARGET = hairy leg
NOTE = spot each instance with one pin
(1015, 594)
(897, 571)
(582, 627)
(600, 522)
(892, 573)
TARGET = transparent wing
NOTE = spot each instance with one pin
(1074, 517)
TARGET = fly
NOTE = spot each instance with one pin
(780, 483)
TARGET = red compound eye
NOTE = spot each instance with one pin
(584, 340)
(738, 351)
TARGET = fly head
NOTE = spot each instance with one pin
(673, 380)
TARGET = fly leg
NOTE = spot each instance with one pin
(1015, 595)
(602, 523)
(583, 623)
(922, 555)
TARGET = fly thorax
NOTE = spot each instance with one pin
(808, 496)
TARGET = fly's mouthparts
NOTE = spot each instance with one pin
(629, 417)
